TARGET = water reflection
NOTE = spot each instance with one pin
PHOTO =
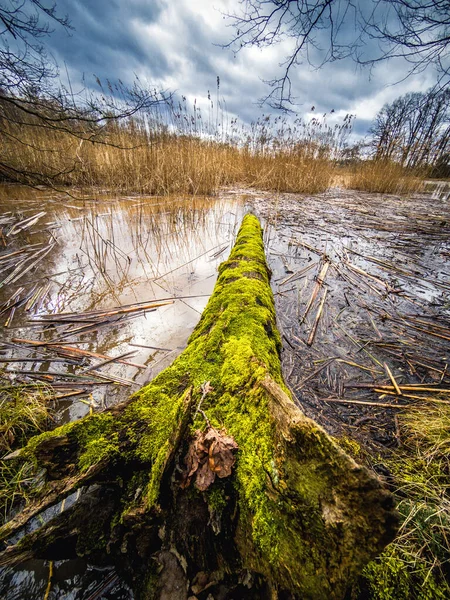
(111, 253)
(103, 254)
(69, 579)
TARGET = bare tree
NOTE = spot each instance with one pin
(31, 95)
(24, 62)
(414, 130)
(321, 31)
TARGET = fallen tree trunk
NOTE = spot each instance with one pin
(210, 478)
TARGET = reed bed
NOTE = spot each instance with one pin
(296, 172)
(386, 177)
(167, 164)
(175, 150)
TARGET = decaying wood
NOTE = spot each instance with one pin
(210, 477)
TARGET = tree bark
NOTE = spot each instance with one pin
(210, 479)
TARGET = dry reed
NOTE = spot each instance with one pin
(383, 176)
(173, 152)
(176, 151)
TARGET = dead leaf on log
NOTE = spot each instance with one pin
(210, 453)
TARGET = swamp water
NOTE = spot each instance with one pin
(361, 284)
(90, 255)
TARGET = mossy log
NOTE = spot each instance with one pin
(163, 499)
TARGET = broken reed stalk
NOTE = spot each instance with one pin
(294, 510)
(101, 314)
(319, 283)
(71, 351)
(392, 378)
(316, 320)
(364, 403)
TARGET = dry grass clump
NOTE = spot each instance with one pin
(175, 151)
(383, 176)
(287, 172)
(128, 159)
(133, 159)
(166, 165)
(23, 413)
(417, 563)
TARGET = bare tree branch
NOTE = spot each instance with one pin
(31, 96)
(322, 31)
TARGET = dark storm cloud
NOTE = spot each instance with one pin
(176, 46)
(104, 41)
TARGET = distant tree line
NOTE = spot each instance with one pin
(414, 131)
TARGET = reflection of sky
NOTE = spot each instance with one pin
(117, 253)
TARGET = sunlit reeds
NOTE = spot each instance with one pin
(383, 176)
(176, 151)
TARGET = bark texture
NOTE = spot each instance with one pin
(210, 480)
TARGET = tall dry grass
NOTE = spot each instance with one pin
(383, 176)
(124, 160)
(175, 150)
(287, 172)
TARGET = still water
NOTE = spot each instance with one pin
(85, 254)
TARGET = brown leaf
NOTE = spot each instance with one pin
(210, 453)
(204, 477)
(221, 455)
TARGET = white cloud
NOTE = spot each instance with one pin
(175, 45)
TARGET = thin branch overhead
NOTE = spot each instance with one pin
(32, 96)
(322, 31)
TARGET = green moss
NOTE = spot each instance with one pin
(350, 446)
(32, 448)
(161, 415)
(97, 449)
(234, 346)
(395, 576)
(95, 437)
(216, 498)
(281, 491)
(240, 367)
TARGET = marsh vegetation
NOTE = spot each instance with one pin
(106, 270)
(117, 208)
(355, 324)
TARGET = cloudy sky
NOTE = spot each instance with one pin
(176, 45)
